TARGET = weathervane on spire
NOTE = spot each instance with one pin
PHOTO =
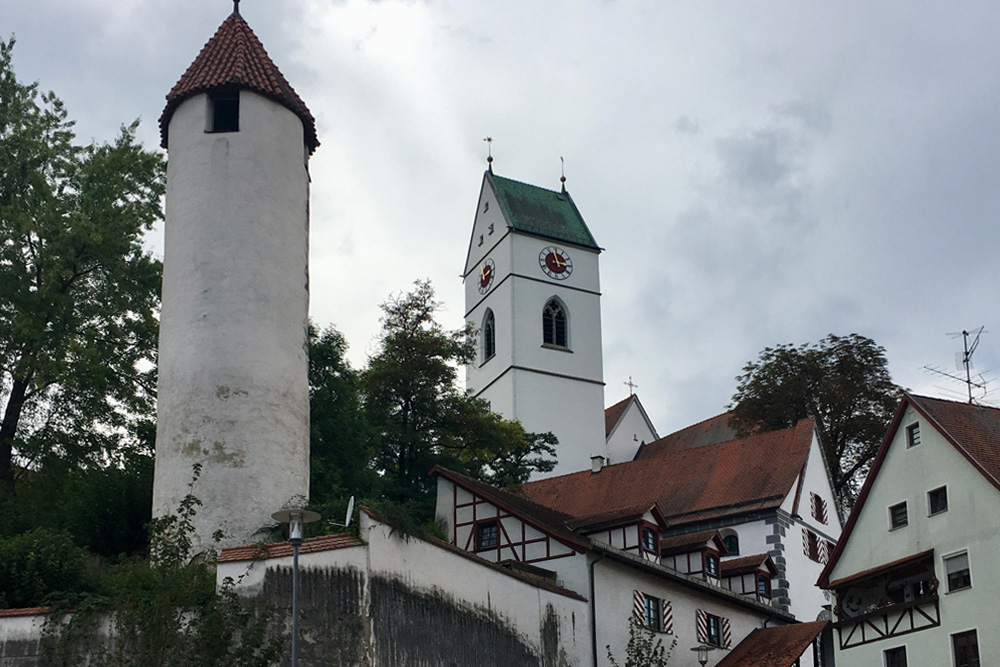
(562, 179)
(489, 153)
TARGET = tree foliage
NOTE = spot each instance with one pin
(644, 648)
(78, 293)
(419, 416)
(843, 381)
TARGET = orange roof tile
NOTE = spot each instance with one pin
(25, 611)
(234, 57)
(709, 432)
(689, 485)
(752, 563)
(613, 414)
(774, 647)
(689, 542)
(281, 549)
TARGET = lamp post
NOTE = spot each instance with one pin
(296, 518)
(703, 650)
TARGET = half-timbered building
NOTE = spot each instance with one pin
(612, 558)
(912, 575)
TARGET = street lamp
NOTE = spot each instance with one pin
(703, 650)
(296, 518)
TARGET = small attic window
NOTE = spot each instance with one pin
(224, 111)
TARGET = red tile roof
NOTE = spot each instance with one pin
(709, 432)
(971, 429)
(281, 549)
(773, 647)
(689, 542)
(613, 414)
(234, 57)
(25, 611)
(689, 485)
(752, 563)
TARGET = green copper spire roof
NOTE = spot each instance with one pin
(534, 210)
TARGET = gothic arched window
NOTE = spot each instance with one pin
(489, 336)
(554, 325)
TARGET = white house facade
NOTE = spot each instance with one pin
(914, 576)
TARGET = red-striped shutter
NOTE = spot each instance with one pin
(702, 623)
(667, 614)
(823, 550)
(727, 633)
(805, 541)
(639, 606)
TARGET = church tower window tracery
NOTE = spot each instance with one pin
(489, 336)
(554, 324)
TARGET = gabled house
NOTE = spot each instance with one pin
(627, 428)
(604, 557)
(913, 575)
(767, 494)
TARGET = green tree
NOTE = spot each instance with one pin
(644, 648)
(78, 293)
(341, 446)
(421, 418)
(843, 381)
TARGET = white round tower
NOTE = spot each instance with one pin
(233, 392)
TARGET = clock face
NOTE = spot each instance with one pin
(555, 263)
(486, 275)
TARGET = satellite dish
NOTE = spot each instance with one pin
(350, 512)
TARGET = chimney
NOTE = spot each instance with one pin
(596, 463)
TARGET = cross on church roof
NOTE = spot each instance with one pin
(631, 385)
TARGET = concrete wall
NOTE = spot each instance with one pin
(233, 387)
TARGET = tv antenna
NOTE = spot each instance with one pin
(963, 361)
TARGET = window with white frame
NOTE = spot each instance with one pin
(937, 500)
(956, 570)
(965, 647)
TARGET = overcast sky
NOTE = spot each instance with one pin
(757, 172)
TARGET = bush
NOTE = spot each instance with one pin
(37, 566)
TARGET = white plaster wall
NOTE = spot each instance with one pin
(233, 393)
(817, 480)
(631, 431)
(972, 524)
(424, 565)
(249, 575)
(615, 583)
(488, 213)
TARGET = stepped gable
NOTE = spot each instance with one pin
(235, 58)
(709, 432)
(728, 478)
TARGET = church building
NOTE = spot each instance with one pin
(532, 289)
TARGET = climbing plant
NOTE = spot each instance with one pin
(644, 648)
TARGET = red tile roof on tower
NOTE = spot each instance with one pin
(709, 432)
(234, 57)
(728, 478)
(774, 647)
(613, 414)
(973, 430)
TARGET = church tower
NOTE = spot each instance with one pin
(532, 289)
(233, 392)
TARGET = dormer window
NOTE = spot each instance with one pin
(650, 542)
(224, 111)
(711, 565)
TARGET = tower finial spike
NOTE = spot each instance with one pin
(562, 177)
(489, 153)
(236, 7)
